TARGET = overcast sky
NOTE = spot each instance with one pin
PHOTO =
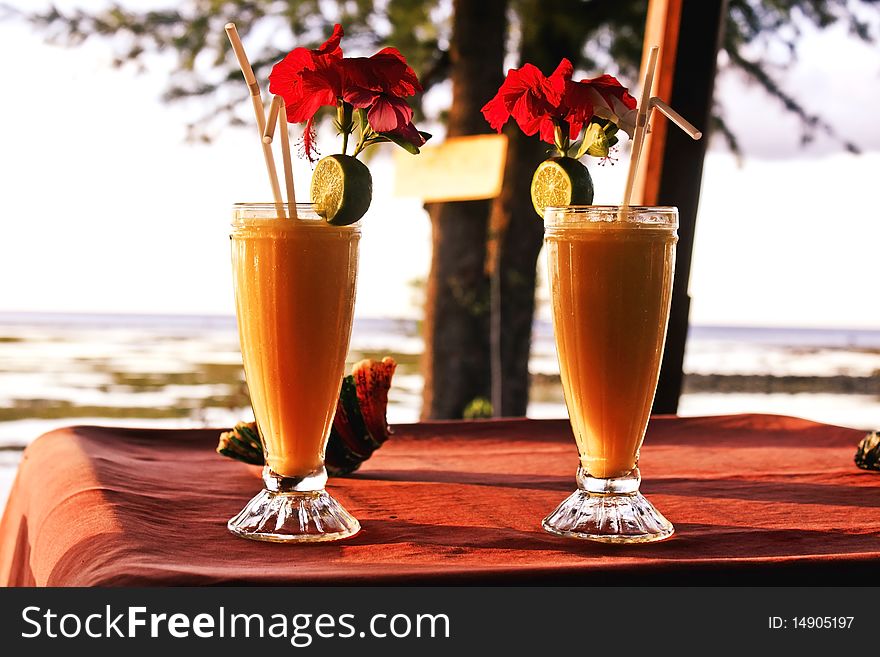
(105, 208)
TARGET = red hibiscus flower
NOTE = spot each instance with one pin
(308, 80)
(604, 97)
(528, 97)
(557, 104)
(386, 71)
(311, 79)
(379, 84)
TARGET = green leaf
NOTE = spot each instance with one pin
(595, 142)
(407, 146)
(868, 453)
(361, 116)
(560, 139)
(350, 401)
(343, 122)
(242, 443)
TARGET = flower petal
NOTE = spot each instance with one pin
(609, 87)
(580, 101)
(331, 46)
(529, 112)
(496, 112)
(526, 95)
(409, 134)
(559, 77)
(389, 113)
(386, 71)
(547, 130)
(400, 79)
(359, 97)
(316, 89)
(604, 97)
(308, 79)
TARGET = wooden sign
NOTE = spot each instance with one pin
(459, 169)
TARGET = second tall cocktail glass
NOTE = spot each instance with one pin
(294, 295)
(610, 272)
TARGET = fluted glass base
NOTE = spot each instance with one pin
(294, 510)
(608, 511)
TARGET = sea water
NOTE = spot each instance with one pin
(185, 371)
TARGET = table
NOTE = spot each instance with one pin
(755, 499)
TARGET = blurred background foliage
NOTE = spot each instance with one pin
(606, 35)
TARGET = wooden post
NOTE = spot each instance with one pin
(689, 35)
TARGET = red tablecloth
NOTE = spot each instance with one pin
(754, 499)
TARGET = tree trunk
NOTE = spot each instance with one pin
(520, 233)
(519, 230)
(456, 359)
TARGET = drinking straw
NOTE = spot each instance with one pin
(278, 116)
(641, 126)
(257, 101)
(285, 157)
(272, 119)
(676, 118)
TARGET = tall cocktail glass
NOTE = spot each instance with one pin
(610, 272)
(294, 296)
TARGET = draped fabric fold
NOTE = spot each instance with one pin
(754, 498)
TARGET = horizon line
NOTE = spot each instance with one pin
(6, 315)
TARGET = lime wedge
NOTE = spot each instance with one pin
(561, 181)
(342, 189)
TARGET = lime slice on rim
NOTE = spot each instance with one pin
(342, 189)
(561, 181)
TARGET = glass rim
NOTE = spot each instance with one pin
(573, 217)
(264, 215)
(581, 209)
(269, 205)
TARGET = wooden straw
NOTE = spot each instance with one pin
(676, 118)
(285, 157)
(257, 101)
(272, 119)
(641, 126)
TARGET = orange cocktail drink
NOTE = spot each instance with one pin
(295, 287)
(610, 275)
(294, 293)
